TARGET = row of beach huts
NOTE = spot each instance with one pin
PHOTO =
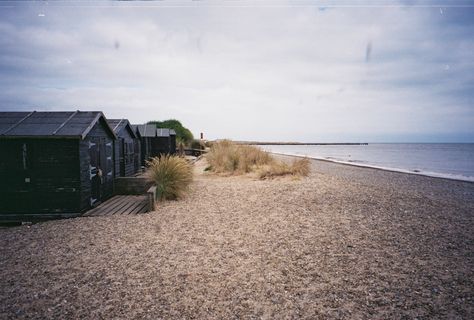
(65, 163)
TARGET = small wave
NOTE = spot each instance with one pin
(356, 161)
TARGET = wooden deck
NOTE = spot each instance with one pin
(120, 205)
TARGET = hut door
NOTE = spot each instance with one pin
(122, 157)
(106, 165)
(136, 155)
(101, 165)
(94, 171)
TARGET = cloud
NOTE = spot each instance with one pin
(255, 72)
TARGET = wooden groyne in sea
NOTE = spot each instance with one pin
(304, 143)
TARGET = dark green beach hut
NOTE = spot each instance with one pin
(166, 141)
(54, 164)
(147, 135)
(155, 142)
(126, 148)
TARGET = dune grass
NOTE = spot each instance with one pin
(172, 176)
(300, 167)
(227, 157)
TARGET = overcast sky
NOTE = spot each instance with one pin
(264, 70)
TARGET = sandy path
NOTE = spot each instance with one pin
(344, 243)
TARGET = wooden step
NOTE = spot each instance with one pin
(120, 205)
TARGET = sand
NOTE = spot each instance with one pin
(346, 242)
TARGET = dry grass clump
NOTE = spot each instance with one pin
(300, 167)
(228, 157)
(172, 176)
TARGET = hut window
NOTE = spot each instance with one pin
(25, 157)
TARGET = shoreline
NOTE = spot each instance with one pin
(450, 177)
(259, 143)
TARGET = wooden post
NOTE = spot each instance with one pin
(151, 198)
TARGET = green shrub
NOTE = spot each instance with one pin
(172, 176)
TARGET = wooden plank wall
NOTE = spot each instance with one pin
(85, 160)
(173, 144)
(117, 156)
(145, 146)
(129, 160)
(138, 155)
(160, 145)
(39, 176)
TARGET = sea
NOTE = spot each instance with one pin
(444, 160)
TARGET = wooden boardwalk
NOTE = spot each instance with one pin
(120, 205)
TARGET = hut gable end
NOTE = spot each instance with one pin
(126, 148)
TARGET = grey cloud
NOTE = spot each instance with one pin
(246, 73)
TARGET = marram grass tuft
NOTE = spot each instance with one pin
(298, 168)
(230, 158)
(172, 176)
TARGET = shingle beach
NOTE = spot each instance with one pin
(343, 243)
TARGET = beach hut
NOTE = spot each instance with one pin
(163, 141)
(172, 141)
(126, 148)
(54, 164)
(138, 148)
(147, 135)
(155, 141)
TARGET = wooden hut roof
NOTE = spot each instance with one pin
(120, 124)
(165, 132)
(74, 124)
(150, 130)
(146, 130)
(135, 129)
(162, 132)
